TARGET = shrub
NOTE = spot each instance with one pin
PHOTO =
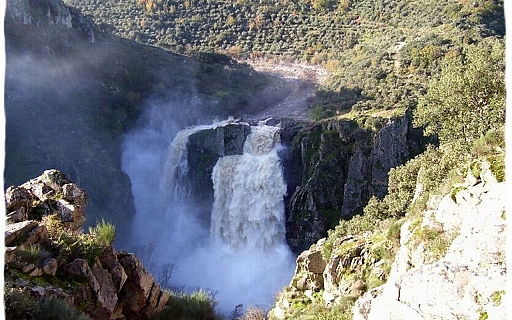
(57, 309)
(468, 99)
(253, 313)
(105, 233)
(74, 245)
(32, 253)
(199, 305)
(19, 304)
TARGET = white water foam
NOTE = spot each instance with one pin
(243, 258)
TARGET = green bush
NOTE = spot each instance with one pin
(20, 304)
(468, 99)
(199, 305)
(104, 232)
(74, 245)
(56, 309)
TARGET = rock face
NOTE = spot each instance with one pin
(468, 282)
(117, 282)
(203, 149)
(335, 167)
(48, 13)
(450, 263)
(331, 168)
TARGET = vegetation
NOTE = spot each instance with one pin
(72, 245)
(19, 304)
(442, 59)
(199, 305)
(380, 54)
(468, 96)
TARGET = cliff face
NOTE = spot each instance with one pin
(331, 168)
(47, 255)
(334, 167)
(203, 150)
(468, 281)
(450, 263)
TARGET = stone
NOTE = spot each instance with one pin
(38, 235)
(54, 179)
(74, 194)
(36, 272)
(28, 268)
(17, 230)
(10, 254)
(464, 283)
(80, 267)
(107, 292)
(72, 216)
(140, 293)
(109, 261)
(49, 266)
(16, 197)
(312, 260)
(19, 214)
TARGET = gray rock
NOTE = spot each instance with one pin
(17, 230)
(50, 266)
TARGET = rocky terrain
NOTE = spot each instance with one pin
(48, 255)
(450, 263)
(80, 74)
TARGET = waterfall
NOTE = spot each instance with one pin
(242, 254)
(248, 209)
(176, 164)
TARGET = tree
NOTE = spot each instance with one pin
(468, 99)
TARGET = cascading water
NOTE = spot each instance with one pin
(243, 257)
(249, 209)
(176, 163)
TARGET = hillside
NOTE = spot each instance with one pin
(380, 53)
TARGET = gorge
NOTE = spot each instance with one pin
(319, 200)
(235, 246)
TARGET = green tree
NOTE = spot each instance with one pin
(468, 99)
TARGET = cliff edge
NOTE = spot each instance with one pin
(49, 257)
(450, 263)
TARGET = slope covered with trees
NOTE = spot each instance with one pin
(379, 53)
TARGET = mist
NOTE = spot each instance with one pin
(182, 251)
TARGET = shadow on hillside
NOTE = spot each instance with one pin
(68, 102)
(340, 102)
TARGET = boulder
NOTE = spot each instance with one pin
(49, 266)
(72, 216)
(18, 230)
(106, 294)
(109, 261)
(16, 197)
(140, 294)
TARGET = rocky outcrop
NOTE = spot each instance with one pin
(323, 280)
(468, 281)
(49, 13)
(333, 167)
(203, 149)
(103, 283)
(450, 263)
(49, 193)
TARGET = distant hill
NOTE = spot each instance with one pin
(380, 53)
